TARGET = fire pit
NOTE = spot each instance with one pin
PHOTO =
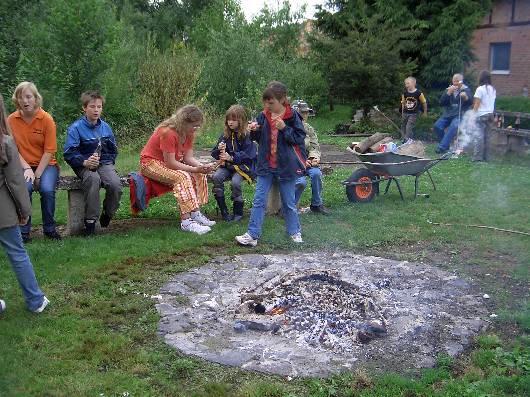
(317, 313)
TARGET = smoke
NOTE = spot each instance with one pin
(470, 131)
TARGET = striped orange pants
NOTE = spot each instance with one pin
(190, 190)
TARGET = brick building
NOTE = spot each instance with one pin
(502, 45)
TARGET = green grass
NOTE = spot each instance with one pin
(98, 337)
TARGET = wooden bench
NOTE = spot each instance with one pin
(76, 200)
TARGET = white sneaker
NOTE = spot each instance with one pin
(2, 305)
(43, 306)
(297, 238)
(198, 217)
(247, 239)
(190, 225)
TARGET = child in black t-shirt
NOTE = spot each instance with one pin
(411, 100)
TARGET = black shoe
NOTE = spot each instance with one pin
(238, 210)
(26, 238)
(221, 203)
(104, 219)
(320, 209)
(440, 151)
(53, 235)
(90, 228)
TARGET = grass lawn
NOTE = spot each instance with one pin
(98, 336)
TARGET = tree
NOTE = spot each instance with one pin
(67, 51)
(358, 50)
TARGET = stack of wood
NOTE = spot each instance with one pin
(372, 144)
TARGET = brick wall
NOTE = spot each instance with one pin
(501, 30)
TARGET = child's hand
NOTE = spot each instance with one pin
(253, 126)
(279, 123)
(226, 157)
(221, 146)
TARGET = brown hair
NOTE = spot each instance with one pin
(18, 94)
(236, 112)
(4, 130)
(276, 90)
(88, 96)
(185, 115)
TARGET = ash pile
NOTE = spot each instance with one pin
(316, 308)
(318, 313)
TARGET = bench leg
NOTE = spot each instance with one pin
(274, 204)
(76, 211)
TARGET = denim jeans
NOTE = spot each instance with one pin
(451, 123)
(47, 185)
(223, 174)
(257, 213)
(315, 175)
(11, 240)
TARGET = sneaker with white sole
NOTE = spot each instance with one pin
(247, 239)
(297, 238)
(198, 217)
(41, 308)
(2, 305)
(190, 225)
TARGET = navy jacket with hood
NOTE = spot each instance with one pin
(82, 141)
(244, 153)
(451, 103)
(291, 154)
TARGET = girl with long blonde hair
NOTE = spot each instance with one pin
(168, 158)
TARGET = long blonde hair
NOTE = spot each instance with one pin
(4, 130)
(185, 115)
(18, 93)
(236, 112)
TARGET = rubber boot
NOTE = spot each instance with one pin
(238, 210)
(221, 203)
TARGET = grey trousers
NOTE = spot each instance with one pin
(480, 150)
(222, 175)
(91, 181)
(407, 128)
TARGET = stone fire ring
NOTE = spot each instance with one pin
(429, 311)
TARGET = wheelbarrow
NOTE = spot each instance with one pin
(363, 184)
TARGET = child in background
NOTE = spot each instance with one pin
(281, 156)
(237, 156)
(411, 99)
(168, 158)
(483, 105)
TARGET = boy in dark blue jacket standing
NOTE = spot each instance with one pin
(91, 151)
(280, 134)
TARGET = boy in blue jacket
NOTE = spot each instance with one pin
(91, 151)
(280, 134)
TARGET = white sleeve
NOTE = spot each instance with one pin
(479, 93)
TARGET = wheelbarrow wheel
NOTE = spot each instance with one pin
(365, 188)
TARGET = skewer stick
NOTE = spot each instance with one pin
(223, 151)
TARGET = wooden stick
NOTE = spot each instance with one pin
(223, 151)
(481, 227)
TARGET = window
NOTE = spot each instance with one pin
(500, 57)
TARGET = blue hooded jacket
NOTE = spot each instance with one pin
(82, 141)
(244, 153)
(291, 154)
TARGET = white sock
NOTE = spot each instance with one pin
(186, 221)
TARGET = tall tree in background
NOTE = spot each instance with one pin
(67, 50)
(359, 49)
